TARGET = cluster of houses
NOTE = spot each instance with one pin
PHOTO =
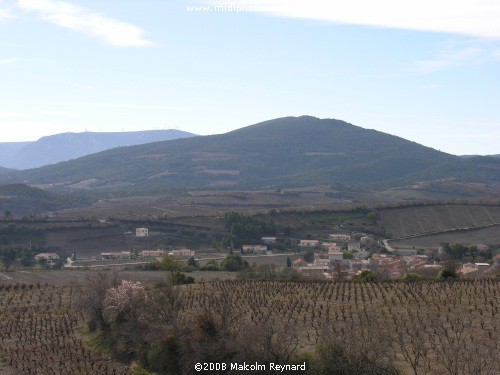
(182, 253)
(158, 254)
(259, 249)
(347, 257)
(328, 254)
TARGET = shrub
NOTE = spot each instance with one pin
(179, 278)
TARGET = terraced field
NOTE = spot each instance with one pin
(411, 221)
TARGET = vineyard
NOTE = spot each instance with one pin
(449, 328)
(39, 333)
(420, 328)
(70, 277)
(410, 221)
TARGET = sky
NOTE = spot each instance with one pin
(427, 71)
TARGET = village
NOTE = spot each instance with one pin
(340, 257)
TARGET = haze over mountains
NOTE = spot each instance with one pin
(285, 152)
(61, 147)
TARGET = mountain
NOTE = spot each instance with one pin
(61, 147)
(285, 152)
(8, 150)
(5, 170)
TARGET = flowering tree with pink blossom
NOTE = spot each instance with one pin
(125, 299)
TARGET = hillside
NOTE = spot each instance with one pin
(5, 170)
(285, 152)
(411, 221)
(24, 200)
(61, 147)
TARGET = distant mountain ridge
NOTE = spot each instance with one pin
(285, 152)
(66, 146)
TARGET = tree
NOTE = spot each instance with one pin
(309, 256)
(211, 266)
(288, 262)
(91, 295)
(8, 214)
(27, 258)
(444, 274)
(8, 257)
(179, 278)
(125, 299)
(233, 262)
(168, 263)
(364, 276)
(193, 263)
(372, 216)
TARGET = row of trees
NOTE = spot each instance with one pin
(232, 263)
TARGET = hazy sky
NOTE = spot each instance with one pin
(428, 71)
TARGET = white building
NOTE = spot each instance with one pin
(269, 240)
(141, 232)
(332, 246)
(254, 249)
(117, 255)
(335, 255)
(308, 243)
(184, 253)
(340, 237)
(354, 246)
(322, 262)
(153, 253)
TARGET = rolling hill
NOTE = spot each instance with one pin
(61, 147)
(285, 152)
(21, 199)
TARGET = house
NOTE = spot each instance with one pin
(297, 263)
(362, 255)
(322, 262)
(340, 237)
(184, 253)
(253, 249)
(141, 232)
(355, 265)
(367, 240)
(116, 255)
(153, 253)
(308, 243)
(315, 272)
(49, 258)
(405, 251)
(335, 248)
(482, 265)
(331, 246)
(354, 246)
(268, 240)
(335, 255)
